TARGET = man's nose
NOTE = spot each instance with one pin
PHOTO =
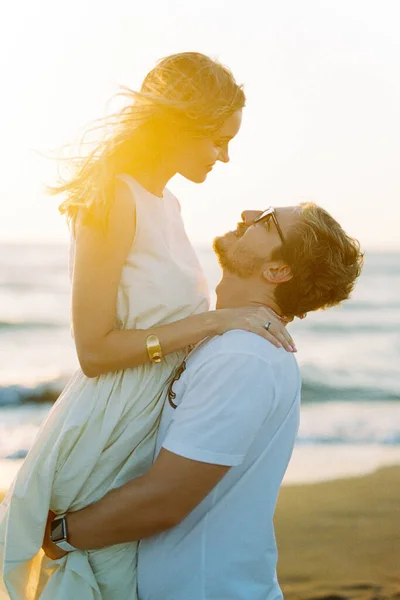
(248, 216)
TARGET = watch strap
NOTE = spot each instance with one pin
(65, 546)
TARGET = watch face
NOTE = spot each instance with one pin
(57, 530)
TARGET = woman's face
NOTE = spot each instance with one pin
(198, 156)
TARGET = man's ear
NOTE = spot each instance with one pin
(277, 273)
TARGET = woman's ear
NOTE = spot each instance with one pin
(277, 273)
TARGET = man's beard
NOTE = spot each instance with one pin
(233, 258)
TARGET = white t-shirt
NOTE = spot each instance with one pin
(238, 405)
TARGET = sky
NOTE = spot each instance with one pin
(322, 120)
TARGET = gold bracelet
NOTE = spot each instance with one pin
(154, 349)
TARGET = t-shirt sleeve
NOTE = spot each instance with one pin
(226, 401)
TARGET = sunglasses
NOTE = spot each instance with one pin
(268, 215)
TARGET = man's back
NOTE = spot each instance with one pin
(238, 405)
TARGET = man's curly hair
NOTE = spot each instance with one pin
(324, 260)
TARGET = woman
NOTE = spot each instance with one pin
(139, 300)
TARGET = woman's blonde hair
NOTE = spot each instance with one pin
(325, 263)
(186, 92)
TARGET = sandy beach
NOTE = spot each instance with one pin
(340, 539)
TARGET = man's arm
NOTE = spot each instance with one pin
(226, 401)
(157, 501)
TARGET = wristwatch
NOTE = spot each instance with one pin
(59, 534)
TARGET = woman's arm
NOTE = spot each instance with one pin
(99, 258)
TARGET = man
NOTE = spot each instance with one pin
(228, 429)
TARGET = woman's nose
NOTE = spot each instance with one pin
(248, 216)
(224, 156)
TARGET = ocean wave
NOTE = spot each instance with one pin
(29, 325)
(361, 305)
(18, 454)
(356, 423)
(56, 286)
(316, 391)
(20, 286)
(347, 327)
(43, 392)
(351, 438)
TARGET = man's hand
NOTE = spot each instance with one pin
(50, 549)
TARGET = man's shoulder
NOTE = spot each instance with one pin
(246, 344)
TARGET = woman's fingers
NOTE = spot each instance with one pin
(287, 342)
(289, 339)
(271, 338)
(278, 332)
(260, 320)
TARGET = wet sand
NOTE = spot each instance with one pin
(340, 539)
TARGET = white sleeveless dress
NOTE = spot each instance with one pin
(101, 432)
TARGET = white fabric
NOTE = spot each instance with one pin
(238, 405)
(101, 432)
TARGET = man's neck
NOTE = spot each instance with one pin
(236, 292)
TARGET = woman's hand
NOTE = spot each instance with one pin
(51, 549)
(255, 319)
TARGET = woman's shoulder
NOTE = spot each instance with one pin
(118, 230)
(124, 195)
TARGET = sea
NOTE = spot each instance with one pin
(349, 358)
